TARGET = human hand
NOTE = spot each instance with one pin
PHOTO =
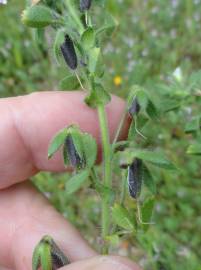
(27, 125)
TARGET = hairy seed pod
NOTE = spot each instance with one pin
(69, 54)
(134, 108)
(85, 4)
(135, 174)
(58, 258)
(75, 160)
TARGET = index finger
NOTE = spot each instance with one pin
(28, 123)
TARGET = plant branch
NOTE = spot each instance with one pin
(73, 14)
(107, 173)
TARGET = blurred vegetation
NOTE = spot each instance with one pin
(157, 45)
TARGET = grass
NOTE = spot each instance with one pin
(152, 40)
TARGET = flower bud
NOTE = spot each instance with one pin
(135, 174)
(69, 54)
(37, 16)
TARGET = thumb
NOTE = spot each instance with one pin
(103, 263)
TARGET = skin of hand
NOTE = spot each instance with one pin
(27, 125)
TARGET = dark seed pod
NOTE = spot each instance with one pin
(58, 258)
(135, 175)
(75, 160)
(134, 108)
(69, 54)
(85, 4)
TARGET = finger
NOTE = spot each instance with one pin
(26, 216)
(28, 124)
(103, 263)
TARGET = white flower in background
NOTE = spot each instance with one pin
(3, 2)
(177, 74)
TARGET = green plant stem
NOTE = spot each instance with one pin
(73, 14)
(107, 173)
(123, 187)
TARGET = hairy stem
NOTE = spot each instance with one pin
(107, 181)
(123, 187)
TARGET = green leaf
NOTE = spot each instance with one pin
(142, 98)
(193, 125)
(109, 26)
(37, 16)
(36, 258)
(138, 92)
(156, 158)
(65, 157)
(57, 142)
(95, 62)
(46, 260)
(76, 182)
(69, 83)
(169, 105)
(148, 180)
(98, 96)
(88, 39)
(42, 255)
(194, 149)
(122, 218)
(132, 131)
(151, 110)
(93, 59)
(147, 211)
(90, 149)
(59, 39)
(144, 101)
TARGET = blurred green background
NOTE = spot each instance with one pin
(154, 38)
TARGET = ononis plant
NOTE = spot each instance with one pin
(78, 38)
